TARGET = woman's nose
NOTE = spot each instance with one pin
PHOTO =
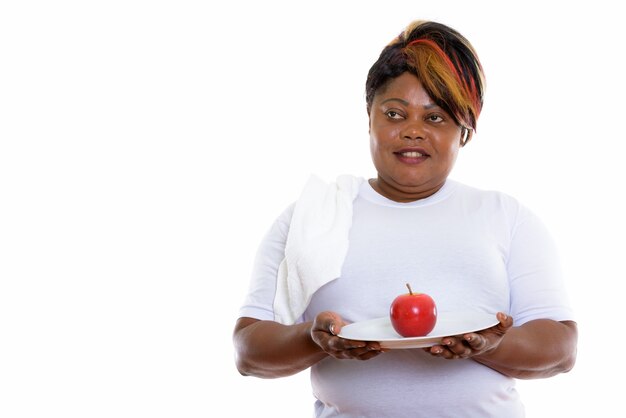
(413, 130)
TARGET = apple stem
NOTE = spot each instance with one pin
(408, 286)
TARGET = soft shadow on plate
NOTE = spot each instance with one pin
(448, 324)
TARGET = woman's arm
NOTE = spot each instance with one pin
(537, 349)
(268, 349)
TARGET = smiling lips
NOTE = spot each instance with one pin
(411, 156)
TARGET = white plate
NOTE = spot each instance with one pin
(448, 324)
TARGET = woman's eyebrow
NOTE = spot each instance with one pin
(393, 99)
(405, 103)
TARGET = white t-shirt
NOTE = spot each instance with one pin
(471, 250)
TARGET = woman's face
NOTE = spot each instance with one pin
(414, 142)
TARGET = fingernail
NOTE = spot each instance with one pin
(331, 328)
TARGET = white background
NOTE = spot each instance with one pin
(146, 146)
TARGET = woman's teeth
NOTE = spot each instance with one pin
(411, 154)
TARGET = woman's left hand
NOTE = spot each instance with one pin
(474, 343)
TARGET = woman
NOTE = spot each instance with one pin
(343, 251)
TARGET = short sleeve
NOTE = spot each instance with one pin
(535, 275)
(259, 300)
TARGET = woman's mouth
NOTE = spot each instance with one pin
(411, 156)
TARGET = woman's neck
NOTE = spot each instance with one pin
(403, 194)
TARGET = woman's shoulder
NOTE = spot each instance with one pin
(492, 201)
(497, 204)
(483, 194)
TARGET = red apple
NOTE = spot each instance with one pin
(413, 314)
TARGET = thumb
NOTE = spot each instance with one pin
(329, 322)
(506, 321)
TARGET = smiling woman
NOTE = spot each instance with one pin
(402, 115)
(471, 250)
(418, 89)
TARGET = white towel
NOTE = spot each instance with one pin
(317, 244)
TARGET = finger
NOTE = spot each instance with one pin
(362, 351)
(506, 321)
(456, 347)
(359, 351)
(344, 352)
(448, 355)
(341, 344)
(331, 326)
(434, 350)
(328, 322)
(475, 341)
(451, 342)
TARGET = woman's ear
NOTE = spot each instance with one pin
(466, 135)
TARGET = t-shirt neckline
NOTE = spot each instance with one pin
(368, 193)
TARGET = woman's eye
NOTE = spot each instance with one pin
(392, 114)
(435, 118)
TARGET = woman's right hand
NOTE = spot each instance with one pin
(324, 332)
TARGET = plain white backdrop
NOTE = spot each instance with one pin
(146, 146)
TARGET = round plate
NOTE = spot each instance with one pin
(448, 324)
